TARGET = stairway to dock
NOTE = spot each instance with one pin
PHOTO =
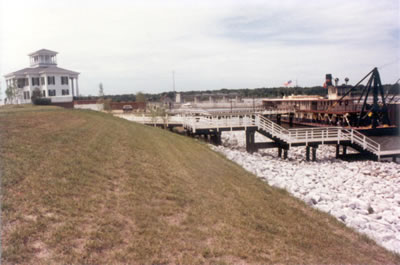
(285, 138)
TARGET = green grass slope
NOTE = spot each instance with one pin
(83, 187)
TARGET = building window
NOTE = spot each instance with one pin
(26, 95)
(42, 81)
(65, 92)
(44, 93)
(20, 82)
(51, 80)
(35, 81)
(64, 80)
(52, 93)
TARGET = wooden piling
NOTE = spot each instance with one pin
(314, 153)
(337, 150)
(308, 153)
(250, 140)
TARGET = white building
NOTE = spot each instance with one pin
(58, 84)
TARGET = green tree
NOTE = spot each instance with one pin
(36, 93)
(140, 97)
(107, 104)
(158, 112)
(11, 93)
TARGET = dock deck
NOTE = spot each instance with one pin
(283, 138)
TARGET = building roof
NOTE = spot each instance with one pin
(41, 70)
(302, 99)
(43, 51)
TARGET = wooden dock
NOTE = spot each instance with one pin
(282, 138)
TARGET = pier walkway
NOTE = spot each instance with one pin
(283, 139)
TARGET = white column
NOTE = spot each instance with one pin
(46, 85)
(29, 87)
(77, 87)
(70, 85)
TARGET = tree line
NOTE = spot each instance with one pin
(275, 92)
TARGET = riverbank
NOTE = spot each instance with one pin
(84, 187)
(364, 195)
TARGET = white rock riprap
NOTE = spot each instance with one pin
(365, 195)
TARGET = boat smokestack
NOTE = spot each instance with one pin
(328, 79)
(336, 81)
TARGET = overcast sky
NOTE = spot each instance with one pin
(132, 46)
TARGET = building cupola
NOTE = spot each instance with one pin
(43, 58)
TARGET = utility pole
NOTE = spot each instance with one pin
(173, 80)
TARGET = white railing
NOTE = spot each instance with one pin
(272, 128)
(152, 120)
(291, 136)
(310, 135)
(363, 141)
(315, 134)
(276, 111)
(217, 122)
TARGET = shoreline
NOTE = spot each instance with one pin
(364, 195)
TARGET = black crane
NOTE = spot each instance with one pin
(374, 114)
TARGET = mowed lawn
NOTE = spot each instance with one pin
(80, 187)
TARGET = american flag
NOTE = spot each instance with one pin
(288, 83)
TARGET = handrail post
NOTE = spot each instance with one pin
(364, 142)
(306, 137)
(322, 137)
(379, 152)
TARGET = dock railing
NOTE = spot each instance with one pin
(272, 128)
(363, 141)
(315, 135)
(320, 134)
(217, 122)
(290, 136)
